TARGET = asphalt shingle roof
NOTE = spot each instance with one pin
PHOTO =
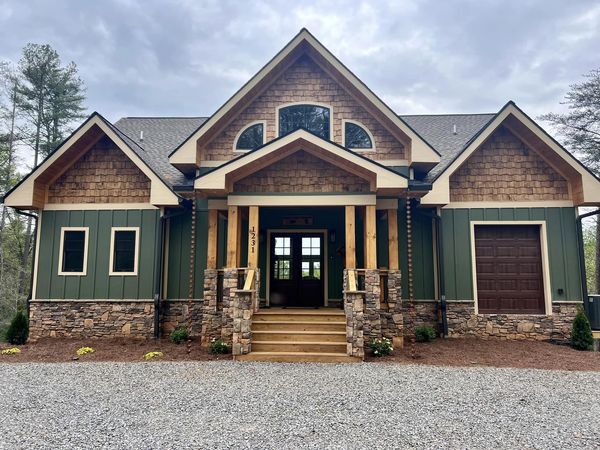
(163, 134)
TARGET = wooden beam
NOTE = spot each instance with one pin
(350, 237)
(211, 245)
(232, 237)
(253, 227)
(238, 251)
(370, 237)
(393, 238)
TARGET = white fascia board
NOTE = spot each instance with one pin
(217, 178)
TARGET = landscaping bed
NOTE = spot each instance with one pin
(495, 353)
(122, 349)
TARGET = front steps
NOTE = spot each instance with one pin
(299, 335)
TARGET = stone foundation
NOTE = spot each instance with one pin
(91, 319)
(174, 314)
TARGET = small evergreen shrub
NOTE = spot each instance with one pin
(581, 333)
(381, 347)
(18, 331)
(218, 347)
(179, 335)
(425, 333)
(151, 355)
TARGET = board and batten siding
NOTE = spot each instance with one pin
(96, 284)
(562, 248)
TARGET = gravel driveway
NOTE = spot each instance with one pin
(263, 405)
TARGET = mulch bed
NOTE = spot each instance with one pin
(495, 353)
(441, 352)
(127, 350)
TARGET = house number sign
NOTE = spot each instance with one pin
(252, 233)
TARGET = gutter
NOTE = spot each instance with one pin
(441, 278)
(33, 260)
(159, 267)
(581, 252)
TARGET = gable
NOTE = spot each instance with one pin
(302, 172)
(506, 169)
(187, 156)
(305, 82)
(104, 174)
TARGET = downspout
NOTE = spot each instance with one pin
(33, 260)
(581, 251)
(441, 278)
(159, 268)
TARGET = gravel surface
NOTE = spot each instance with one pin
(264, 405)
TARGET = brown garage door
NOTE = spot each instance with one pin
(509, 269)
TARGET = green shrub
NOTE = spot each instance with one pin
(18, 330)
(581, 334)
(381, 347)
(179, 335)
(218, 346)
(425, 333)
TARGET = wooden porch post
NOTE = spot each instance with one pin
(232, 237)
(350, 238)
(211, 245)
(370, 237)
(253, 227)
(393, 238)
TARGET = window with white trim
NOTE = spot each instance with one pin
(73, 251)
(250, 138)
(124, 249)
(356, 137)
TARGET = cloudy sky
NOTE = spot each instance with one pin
(186, 57)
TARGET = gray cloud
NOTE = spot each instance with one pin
(187, 57)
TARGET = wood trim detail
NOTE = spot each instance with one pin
(350, 220)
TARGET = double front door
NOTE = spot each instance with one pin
(296, 270)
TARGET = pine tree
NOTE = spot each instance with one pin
(581, 334)
(18, 331)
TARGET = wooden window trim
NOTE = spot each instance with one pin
(244, 128)
(83, 273)
(364, 127)
(113, 231)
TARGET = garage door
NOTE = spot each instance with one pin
(509, 269)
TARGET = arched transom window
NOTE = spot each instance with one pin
(313, 118)
(251, 137)
(357, 137)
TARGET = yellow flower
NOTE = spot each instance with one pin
(85, 350)
(11, 351)
(151, 355)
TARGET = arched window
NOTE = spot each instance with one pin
(251, 137)
(313, 118)
(357, 137)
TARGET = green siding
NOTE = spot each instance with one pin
(96, 284)
(562, 247)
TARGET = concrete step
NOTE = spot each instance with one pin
(299, 336)
(297, 325)
(298, 357)
(299, 346)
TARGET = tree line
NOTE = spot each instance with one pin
(40, 101)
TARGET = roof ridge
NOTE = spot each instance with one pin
(164, 117)
(449, 114)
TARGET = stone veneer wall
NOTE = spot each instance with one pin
(304, 81)
(463, 322)
(174, 314)
(505, 169)
(103, 175)
(302, 172)
(91, 319)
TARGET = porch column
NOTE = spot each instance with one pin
(350, 238)
(393, 238)
(370, 237)
(253, 227)
(211, 245)
(233, 231)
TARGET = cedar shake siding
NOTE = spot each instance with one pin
(505, 169)
(103, 175)
(302, 172)
(304, 81)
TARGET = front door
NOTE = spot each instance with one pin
(296, 272)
